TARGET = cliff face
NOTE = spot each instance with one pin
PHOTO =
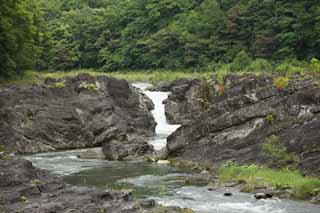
(78, 112)
(249, 120)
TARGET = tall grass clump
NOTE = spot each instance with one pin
(302, 187)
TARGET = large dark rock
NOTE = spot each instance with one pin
(247, 119)
(24, 188)
(182, 104)
(77, 112)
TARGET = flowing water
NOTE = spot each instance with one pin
(163, 183)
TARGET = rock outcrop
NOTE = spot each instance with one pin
(24, 188)
(182, 104)
(249, 120)
(76, 112)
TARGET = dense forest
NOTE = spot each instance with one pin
(155, 34)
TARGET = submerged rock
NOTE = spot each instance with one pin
(76, 112)
(260, 196)
(246, 122)
(227, 194)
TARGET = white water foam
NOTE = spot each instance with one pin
(163, 128)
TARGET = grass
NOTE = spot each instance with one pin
(32, 77)
(253, 175)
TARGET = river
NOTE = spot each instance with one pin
(163, 183)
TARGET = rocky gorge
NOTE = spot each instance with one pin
(243, 120)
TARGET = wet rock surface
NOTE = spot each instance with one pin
(76, 112)
(245, 121)
(183, 104)
(24, 188)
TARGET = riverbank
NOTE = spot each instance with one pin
(156, 76)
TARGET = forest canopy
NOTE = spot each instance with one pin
(155, 34)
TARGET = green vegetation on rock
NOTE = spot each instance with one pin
(278, 153)
(281, 83)
(88, 86)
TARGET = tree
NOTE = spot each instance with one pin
(20, 32)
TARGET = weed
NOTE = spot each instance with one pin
(23, 199)
(281, 83)
(269, 118)
(303, 187)
(59, 85)
(88, 86)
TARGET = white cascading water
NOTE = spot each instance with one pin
(163, 128)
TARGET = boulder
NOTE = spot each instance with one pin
(260, 196)
(75, 112)
(93, 153)
(119, 150)
(246, 121)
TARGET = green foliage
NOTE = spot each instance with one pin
(4, 153)
(315, 65)
(2, 148)
(281, 83)
(59, 85)
(270, 118)
(255, 175)
(36, 182)
(21, 27)
(260, 65)
(241, 62)
(291, 67)
(24, 199)
(88, 86)
(31, 77)
(278, 153)
(167, 34)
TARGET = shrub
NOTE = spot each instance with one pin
(240, 62)
(281, 83)
(291, 67)
(260, 65)
(315, 65)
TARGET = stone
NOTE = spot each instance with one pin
(260, 196)
(316, 199)
(148, 203)
(227, 194)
